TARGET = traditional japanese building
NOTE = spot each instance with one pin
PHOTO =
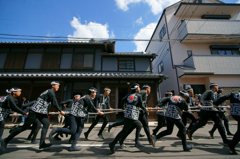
(77, 66)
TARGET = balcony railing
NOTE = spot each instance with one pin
(209, 30)
(214, 64)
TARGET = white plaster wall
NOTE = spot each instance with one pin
(226, 81)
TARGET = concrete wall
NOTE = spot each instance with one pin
(142, 64)
(110, 64)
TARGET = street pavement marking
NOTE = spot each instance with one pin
(61, 145)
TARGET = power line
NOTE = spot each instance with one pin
(95, 25)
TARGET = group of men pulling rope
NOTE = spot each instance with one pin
(171, 110)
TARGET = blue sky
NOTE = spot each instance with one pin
(118, 19)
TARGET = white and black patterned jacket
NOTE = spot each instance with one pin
(81, 107)
(44, 101)
(134, 102)
(164, 107)
(207, 99)
(102, 102)
(7, 103)
(176, 105)
(234, 102)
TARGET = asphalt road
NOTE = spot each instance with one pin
(167, 147)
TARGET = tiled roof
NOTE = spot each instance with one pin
(185, 67)
(82, 75)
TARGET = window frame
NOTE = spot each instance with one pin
(160, 67)
(160, 33)
(133, 64)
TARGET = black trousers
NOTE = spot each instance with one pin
(118, 123)
(75, 128)
(188, 115)
(213, 115)
(35, 129)
(128, 124)
(67, 123)
(32, 116)
(170, 125)
(236, 137)
(105, 122)
(225, 121)
(161, 123)
(2, 124)
(144, 120)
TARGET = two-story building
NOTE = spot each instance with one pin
(77, 66)
(197, 42)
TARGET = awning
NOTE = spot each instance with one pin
(82, 75)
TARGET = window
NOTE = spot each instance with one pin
(66, 61)
(189, 52)
(225, 52)
(162, 32)
(88, 60)
(33, 61)
(51, 60)
(15, 60)
(2, 59)
(126, 64)
(82, 61)
(160, 67)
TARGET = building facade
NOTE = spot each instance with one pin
(198, 42)
(77, 66)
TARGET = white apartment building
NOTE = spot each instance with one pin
(198, 42)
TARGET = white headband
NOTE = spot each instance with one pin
(8, 91)
(55, 83)
(189, 89)
(168, 93)
(186, 94)
(146, 86)
(77, 95)
(213, 85)
(15, 90)
(107, 89)
(135, 87)
(92, 90)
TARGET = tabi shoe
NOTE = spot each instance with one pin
(189, 134)
(138, 144)
(3, 145)
(75, 148)
(154, 139)
(211, 134)
(34, 142)
(44, 145)
(100, 136)
(86, 135)
(188, 147)
(232, 150)
(111, 146)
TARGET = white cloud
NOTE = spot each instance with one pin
(89, 30)
(144, 33)
(238, 1)
(139, 21)
(123, 4)
(157, 6)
